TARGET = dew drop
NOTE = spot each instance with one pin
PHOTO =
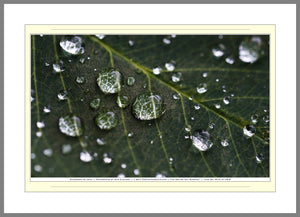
(188, 128)
(82, 60)
(122, 101)
(47, 64)
(130, 81)
(57, 68)
(211, 125)
(39, 134)
(121, 175)
(266, 119)
(176, 96)
(80, 79)
(47, 109)
(148, 106)
(100, 36)
(224, 142)
(40, 124)
(159, 175)
(130, 43)
(48, 152)
(72, 45)
(226, 100)
(106, 159)
(86, 157)
(204, 75)
(192, 118)
(136, 172)
(151, 142)
(254, 118)
(229, 60)
(218, 106)
(109, 81)
(217, 80)
(38, 168)
(123, 166)
(62, 95)
(100, 141)
(166, 41)
(106, 120)
(201, 140)
(130, 135)
(197, 107)
(202, 88)
(249, 130)
(219, 51)
(70, 126)
(157, 70)
(95, 103)
(249, 50)
(170, 66)
(259, 158)
(176, 77)
(66, 148)
(32, 156)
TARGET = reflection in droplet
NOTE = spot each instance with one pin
(106, 120)
(106, 158)
(266, 119)
(57, 68)
(130, 43)
(66, 148)
(148, 106)
(72, 45)
(211, 125)
(217, 106)
(86, 157)
(249, 130)
(176, 77)
(249, 50)
(109, 81)
(259, 158)
(202, 88)
(130, 135)
(204, 75)
(70, 125)
(201, 140)
(157, 70)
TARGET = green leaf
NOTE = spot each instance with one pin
(210, 90)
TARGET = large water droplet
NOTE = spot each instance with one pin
(130, 81)
(66, 148)
(148, 106)
(249, 50)
(109, 81)
(201, 140)
(176, 77)
(72, 45)
(157, 70)
(95, 103)
(86, 157)
(122, 101)
(106, 120)
(249, 130)
(62, 95)
(70, 125)
(202, 88)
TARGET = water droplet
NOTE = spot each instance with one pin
(217, 106)
(190, 98)
(188, 128)
(72, 45)
(47, 64)
(219, 51)
(48, 152)
(159, 175)
(148, 106)
(220, 36)
(211, 125)
(197, 107)
(173, 36)
(136, 172)
(109, 81)
(66, 148)
(38, 168)
(192, 118)
(40, 124)
(62, 95)
(123, 166)
(106, 159)
(122, 101)
(254, 118)
(226, 100)
(121, 175)
(229, 60)
(217, 80)
(176, 96)
(86, 157)
(130, 81)
(204, 75)
(249, 130)
(31, 99)
(201, 140)
(171, 160)
(80, 79)
(138, 71)
(70, 125)
(100, 36)
(249, 50)
(176, 77)
(266, 119)
(82, 60)
(266, 134)
(186, 137)
(57, 68)
(224, 142)
(106, 120)
(151, 142)
(202, 88)
(131, 43)
(39, 134)
(170, 66)
(95, 103)
(157, 70)
(259, 158)
(166, 41)
(32, 156)
(130, 135)
(47, 109)
(100, 141)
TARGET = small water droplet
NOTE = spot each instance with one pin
(148, 106)
(32, 156)
(82, 60)
(57, 68)
(211, 125)
(266, 119)
(130, 135)
(176, 96)
(220, 36)
(39, 134)
(192, 118)
(72, 45)
(186, 137)
(157, 70)
(123, 166)
(47, 109)
(188, 128)
(217, 80)
(130, 81)
(130, 43)
(249, 50)
(202, 88)
(176, 77)
(151, 142)
(100, 36)
(173, 36)
(136, 172)
(254, 118)
(249, 130)
(219, 51)
(170, 66)
(201, 140)
(266, 135)
(218, 106)
(229, 60)
(121, 175)
(80, 79)
(224, 142)
(197, 107)
(106, 159)
(166, 41)
(48, 152)
(40, 124)
(38, 168)
(31, 99)
(95, 103)
(47, 64)
(204, 75)
(62, 95)
(109, 81)
(171, 160)
(66, 148)
(70, 125)
(100, 141)
(159, 175)
(226, 100)
(190, 98)
(106, 120)
(122, 101)
(86, 157)
(259, 158)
